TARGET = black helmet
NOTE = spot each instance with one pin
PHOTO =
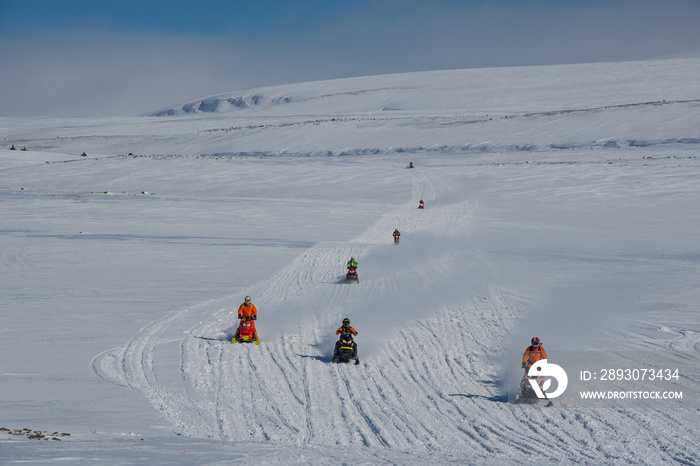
(346, 322)
(536, 341)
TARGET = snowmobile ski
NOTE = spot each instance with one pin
(245, 340)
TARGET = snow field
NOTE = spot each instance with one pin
(562, 205)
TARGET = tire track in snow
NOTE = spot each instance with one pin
(303, 274)
(15, 260)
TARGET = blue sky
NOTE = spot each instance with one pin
(127, 57)
(243, 20)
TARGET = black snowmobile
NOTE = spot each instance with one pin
(345, 350)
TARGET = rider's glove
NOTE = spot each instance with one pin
(240, 316)
(255, 317)
(524, 365)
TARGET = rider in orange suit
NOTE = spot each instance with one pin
(247, 309)
(533, 353)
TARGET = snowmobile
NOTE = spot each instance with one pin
(345, 350)
(396, 239)
(527, 394)
(246, 332)
(420, 204)
(352, 276)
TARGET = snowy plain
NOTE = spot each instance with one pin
(561, 202)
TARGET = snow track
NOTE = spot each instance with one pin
(429, 382)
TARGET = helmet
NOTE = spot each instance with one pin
(536, 341)
(247, 299)
(346, 322)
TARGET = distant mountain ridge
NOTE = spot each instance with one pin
(273, 96)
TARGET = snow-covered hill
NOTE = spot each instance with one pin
(560, 202)
(457, 91)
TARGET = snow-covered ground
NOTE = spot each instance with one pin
(561, 202)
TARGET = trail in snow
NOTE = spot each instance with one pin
(306, 301)
(430, 380)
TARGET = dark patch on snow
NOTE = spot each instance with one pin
(34, 434)
(283, 100)
(210, 105)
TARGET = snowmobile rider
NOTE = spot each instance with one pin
(346, 333)
(420, 204)
(533, 353)
(410, 165)
(396, 233)
(247, 309)
(352, 263)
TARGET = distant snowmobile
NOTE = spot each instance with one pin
(352, 271)
(396, 236)
(352, 276)
(421, 205)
